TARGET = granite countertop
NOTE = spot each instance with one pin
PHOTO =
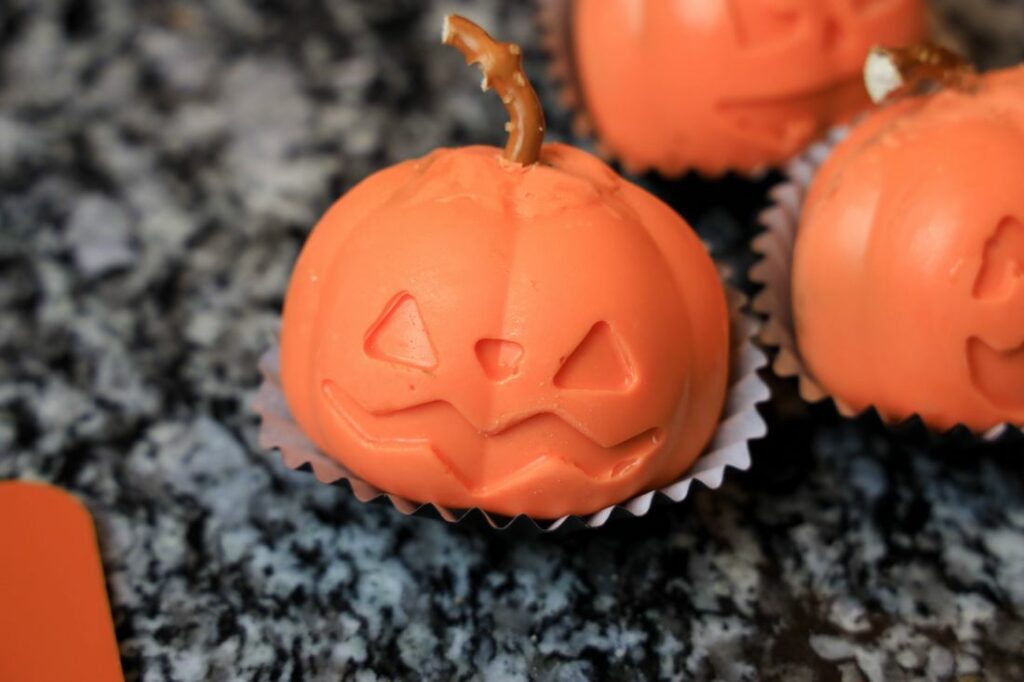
(160, 164)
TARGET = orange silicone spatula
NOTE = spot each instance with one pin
(54, 617)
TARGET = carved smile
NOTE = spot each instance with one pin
(999, 375)
(769, 121)
(472, 456)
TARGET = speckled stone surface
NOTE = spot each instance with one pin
(160, 164)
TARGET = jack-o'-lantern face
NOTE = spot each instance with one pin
(493, 333)
(741, 84)
(908, 278)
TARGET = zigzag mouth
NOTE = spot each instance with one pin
(997, 374)
(774, 109)
(475, 457)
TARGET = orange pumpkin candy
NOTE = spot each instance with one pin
(540, 339)
(908, 274)
(726, 84)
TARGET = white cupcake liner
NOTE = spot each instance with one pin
(774, 302)
(729, 447)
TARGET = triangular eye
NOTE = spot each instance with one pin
(762, 21)
(1002, 266)
(597, 364)
(399, 335)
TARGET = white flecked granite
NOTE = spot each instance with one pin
(160, 164)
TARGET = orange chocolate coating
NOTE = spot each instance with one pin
(726, 84)
(544, 340)
(54, 617)
(908, 274)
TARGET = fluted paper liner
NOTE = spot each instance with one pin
(773, 272)
(554, 19)
(729, 447)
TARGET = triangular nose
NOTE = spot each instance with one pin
(831, 32)
(499, 358)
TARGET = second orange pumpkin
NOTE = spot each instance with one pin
(726, 84)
